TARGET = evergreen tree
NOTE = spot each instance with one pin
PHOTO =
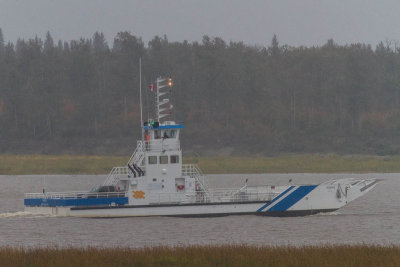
(99, 42)
(274, 48)
(48, 44)
(333, 98)
(1, 43)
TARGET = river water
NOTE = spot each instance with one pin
(372, 219)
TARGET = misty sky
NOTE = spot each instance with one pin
(296, 22)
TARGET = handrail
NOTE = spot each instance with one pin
(112, 178)
(161, 145)
(193, 171)
(214, 197)
(71, 195)
(137, 154)
(136, 158)
(211, 196)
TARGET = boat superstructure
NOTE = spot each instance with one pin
(154, 182)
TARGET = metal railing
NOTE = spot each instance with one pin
(137, 155)
(193, 171)
(215, 196)
(239, 195)
(136, 159)
(74, 195)
(115, 174)
(212, 196)
(159, 145)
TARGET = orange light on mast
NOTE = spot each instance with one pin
(170, 82)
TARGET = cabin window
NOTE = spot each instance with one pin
(157, 134)
(174, 159)
(169, 134)
(163, 159)
(165, 135)
(154, 179)
(152, 159)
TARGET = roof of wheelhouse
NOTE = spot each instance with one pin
(163, 127)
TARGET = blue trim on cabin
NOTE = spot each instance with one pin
(293, 198)
(163, 127)
(74, 202)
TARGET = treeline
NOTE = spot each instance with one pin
(82, 96)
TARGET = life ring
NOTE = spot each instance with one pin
(181, 187)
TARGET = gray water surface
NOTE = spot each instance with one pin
(372, 219)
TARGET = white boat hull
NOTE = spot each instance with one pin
(178, 211)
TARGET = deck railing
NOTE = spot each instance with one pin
(211, 196)
(74, 195)
(137, 155)
(159, 145)
(223, 195)
(193, 171)
(115, 174)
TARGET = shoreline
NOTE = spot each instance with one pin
(287, 163)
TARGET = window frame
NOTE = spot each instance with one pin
(164, 157)
(176, 157)
(150, 162)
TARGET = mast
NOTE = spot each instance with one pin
(161, 110)
(140, 95)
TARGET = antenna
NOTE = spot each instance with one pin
(147, 103)
(140, 94)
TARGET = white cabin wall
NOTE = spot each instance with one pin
(138, 184)
(167, 172)
(160, 178)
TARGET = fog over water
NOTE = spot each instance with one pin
(372, 219)
(304, 22)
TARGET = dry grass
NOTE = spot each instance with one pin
(293, 163)
(235, 255)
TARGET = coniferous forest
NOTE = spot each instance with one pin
(82, 96)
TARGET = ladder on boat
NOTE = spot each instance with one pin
(135, 160)
(193, 171)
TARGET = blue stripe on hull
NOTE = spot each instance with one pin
(293, 198)
(275, 199)
(74, 202)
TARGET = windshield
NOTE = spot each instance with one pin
(95, 189)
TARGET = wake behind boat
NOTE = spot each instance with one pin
(156, 183)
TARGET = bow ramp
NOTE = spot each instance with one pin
(311, 199)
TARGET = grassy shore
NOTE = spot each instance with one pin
(293, 163)
(298, 163)
(237, 255)
(58, 164)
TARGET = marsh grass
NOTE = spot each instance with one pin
(229, 255)
(292, 163)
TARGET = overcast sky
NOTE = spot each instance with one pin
(296, 22)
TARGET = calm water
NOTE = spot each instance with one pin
(372, 219)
